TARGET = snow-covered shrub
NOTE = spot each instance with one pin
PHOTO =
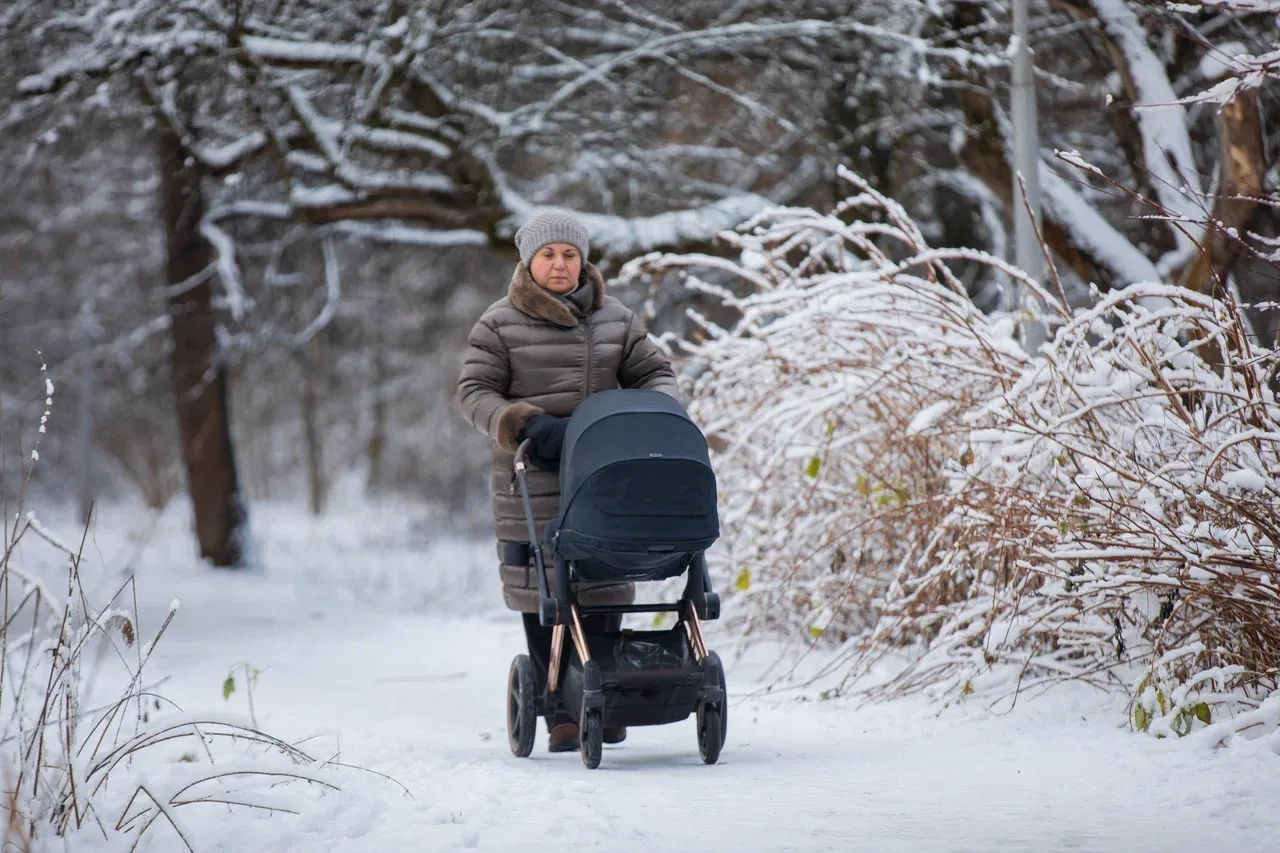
(88, 745)
(897, 475)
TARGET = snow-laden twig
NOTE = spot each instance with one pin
(1231, 68)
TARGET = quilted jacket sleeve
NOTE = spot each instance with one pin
(482, 388)
(643, 364)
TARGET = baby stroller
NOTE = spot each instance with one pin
(638, 503)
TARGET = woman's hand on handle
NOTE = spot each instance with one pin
(546, 434)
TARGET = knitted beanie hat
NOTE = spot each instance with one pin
(552, 225)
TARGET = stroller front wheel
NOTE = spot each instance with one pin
(713, 664)
(710, 735)
(713, 716)
(522, 707)
(592, 739)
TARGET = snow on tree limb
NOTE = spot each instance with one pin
(333, 296)
(228, 269)
(420, 122)
(1263, 7)
(1250, 72)
(624, 237)
(327, 134)
(721, 37)
(265, 63)
(118, 47)
(392, 232)
(222, 157)
(1160, 116)
(1074, 229)
(620, 236)
(379, 229)
(287, 52)
(395, 140)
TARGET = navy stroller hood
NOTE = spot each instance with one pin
(638, 496)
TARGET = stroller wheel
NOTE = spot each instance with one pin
(712, 660)
(713, 718)
(522, 707)
(710, 734)
(591, 736)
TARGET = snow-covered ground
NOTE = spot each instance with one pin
(379, 643)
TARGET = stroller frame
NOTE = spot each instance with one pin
(563, 614)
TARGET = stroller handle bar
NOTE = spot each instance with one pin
(522, 455)
(549, 610)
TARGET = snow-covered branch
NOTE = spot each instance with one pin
(625, 237)
(1091, 231)
(1161, 118)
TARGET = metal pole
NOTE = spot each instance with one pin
(1026, 161)
(88, 382)
(87, 329)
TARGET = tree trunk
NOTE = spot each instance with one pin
(199, 380)
(378, 418)
(312, 365)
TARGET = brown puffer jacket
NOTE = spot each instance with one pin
(532, 352)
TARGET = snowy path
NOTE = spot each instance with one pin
(419, 696)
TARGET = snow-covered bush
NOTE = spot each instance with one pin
(88, 745)
(897, 475)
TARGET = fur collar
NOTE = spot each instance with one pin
(530, 299)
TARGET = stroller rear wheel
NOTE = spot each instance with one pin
(591, 736)
(522, 707)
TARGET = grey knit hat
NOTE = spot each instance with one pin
(552, 225)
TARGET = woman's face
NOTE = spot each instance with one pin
(556, 267)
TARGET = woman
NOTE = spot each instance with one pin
(533, 356)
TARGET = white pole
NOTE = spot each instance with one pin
(1026, 162)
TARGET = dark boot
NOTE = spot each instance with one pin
(614, 734)
(564, 738)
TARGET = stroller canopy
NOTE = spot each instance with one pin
(635, 478)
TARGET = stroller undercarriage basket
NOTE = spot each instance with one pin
(648, 678)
